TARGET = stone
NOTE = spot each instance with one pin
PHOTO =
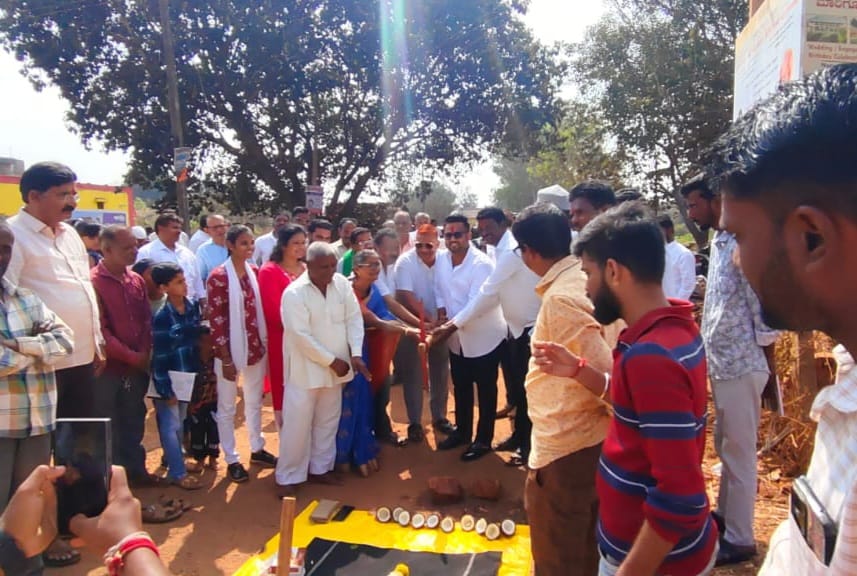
(486, 489)
(445, 490)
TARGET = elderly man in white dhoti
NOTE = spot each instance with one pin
(323, 344)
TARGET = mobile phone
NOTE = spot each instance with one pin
(343, 513)
(815, 525)
(83, 446)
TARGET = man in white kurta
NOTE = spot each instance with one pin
(323, 342)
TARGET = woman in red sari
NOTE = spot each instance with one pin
(286, 264)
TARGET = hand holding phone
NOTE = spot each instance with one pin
(122, 517)
(30, 517)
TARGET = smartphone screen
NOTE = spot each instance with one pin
(83, 446)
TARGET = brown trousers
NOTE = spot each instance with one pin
(562, 508)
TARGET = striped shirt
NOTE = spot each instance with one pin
(651, 462)
(28, 391)
(175, 339)
(832, 475)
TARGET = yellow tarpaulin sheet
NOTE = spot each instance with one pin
(362, 528)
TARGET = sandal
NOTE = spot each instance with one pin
(60, 554)
(161, 513)
(188, 482)
(178, 503)
(194, 467)
(212, 463)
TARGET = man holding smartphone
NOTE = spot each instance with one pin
(32, 339)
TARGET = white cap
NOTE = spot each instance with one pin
(556, 195)
(139, 232)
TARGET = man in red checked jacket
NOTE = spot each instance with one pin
(654, 515)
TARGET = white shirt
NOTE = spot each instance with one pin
(198, 239)
(386, 282)
(56, 268)
(511, 285)
(158, 252)
(680, 272)
(183, 239)
(320, 328)
(413, 275)
(454, 289)
(832, 475)
(264, 246)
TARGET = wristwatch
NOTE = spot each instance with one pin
(12, 559)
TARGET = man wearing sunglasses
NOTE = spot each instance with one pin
(512, 286)
(475, 347)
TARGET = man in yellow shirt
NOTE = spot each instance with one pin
(569, 421)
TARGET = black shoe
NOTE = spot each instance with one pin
(505, 411)
(263, 458)
(517, 460)
(451, 441)
(415, 433)
(475, 451)
(237, 473)
(445, 427)
(732, 554)
(510, 444)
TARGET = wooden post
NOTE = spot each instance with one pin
(287, 526)
(806, 370)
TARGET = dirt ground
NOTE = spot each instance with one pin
(229, 522)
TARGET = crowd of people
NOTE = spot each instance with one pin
(580, 300)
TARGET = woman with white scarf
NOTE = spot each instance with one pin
(238, 331)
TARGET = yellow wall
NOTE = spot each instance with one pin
(92, 198)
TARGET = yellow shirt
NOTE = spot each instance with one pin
(566, 416)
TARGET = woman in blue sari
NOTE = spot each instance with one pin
(355, 441)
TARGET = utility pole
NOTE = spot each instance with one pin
(173, 103)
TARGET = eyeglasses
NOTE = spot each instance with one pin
(372, 265)
(424, 246)
(451, 235)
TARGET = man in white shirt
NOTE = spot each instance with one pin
(323, 346)
(513, 286)
(49, 259)
(266, 242)
(166, 248)
(402, 223)
(201, 236)
(474, 349)
(787, 194)
(415, 272)
(343, 244)
(680, 272)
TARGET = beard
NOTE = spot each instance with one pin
(778, 294)
(607, 307)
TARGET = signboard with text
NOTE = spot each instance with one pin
(315, 200)
(788, 39)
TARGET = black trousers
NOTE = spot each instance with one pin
(483, 371)
(121, 397)
(76, 392)
(515, 359)
(383, 427)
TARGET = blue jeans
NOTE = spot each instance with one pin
(170, 428)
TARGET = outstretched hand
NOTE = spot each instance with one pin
(555, 359)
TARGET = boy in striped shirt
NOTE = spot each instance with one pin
(654, 515)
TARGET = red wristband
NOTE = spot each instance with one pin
(581, 364)
(116, 562)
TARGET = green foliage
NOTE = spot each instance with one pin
(275, 93)
(517, 186)
(662, 74)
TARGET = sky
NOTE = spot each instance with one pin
(34, 126)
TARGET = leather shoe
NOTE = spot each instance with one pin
(476, 451)
(445, 427)
(450, 442)
(732, 554)
(415, 433)
(510, 444)
(505, 411)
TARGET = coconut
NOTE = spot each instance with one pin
(382, 514)
(447, 525)
(404, 518)
(481, 526)
(418, 521)
(508, 527)
(492, 531)
(432, 521)
(396, 511)
(467, 522)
